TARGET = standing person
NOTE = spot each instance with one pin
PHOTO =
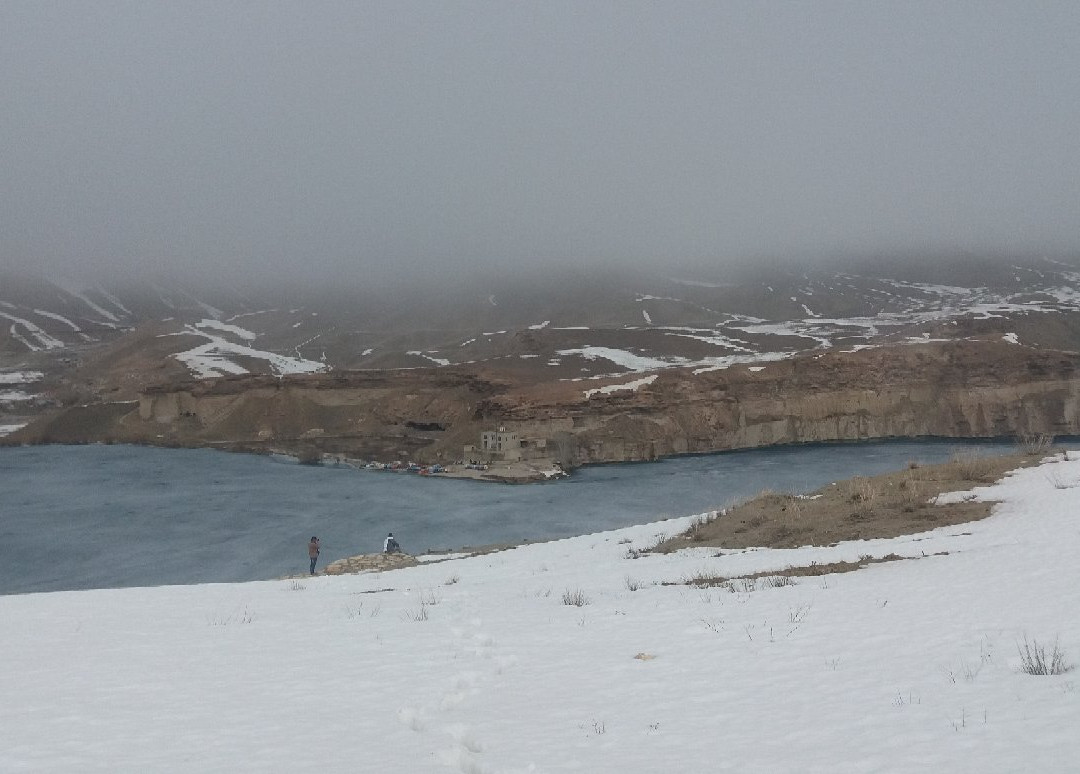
(313, 553)
(390, 545)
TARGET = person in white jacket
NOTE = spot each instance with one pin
(390, 545)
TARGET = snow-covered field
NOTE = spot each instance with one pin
(477, 664)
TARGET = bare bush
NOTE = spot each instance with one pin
(1036, 659)
(863, 490)
(740, 585)
(863, 495)
(1035, 443)
(911, 493)
(703, 579)
(794, 508)
(575, 597)
(429, 598)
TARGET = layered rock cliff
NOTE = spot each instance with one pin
(960, 389)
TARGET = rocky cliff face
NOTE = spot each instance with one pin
(962, 389)
(950, 391)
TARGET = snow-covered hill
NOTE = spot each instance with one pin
(356, 324)
(575, 656)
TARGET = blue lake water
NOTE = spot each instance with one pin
(78, 517)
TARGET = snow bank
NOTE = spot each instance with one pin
(575, 656)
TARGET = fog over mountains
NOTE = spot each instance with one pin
(378, 141)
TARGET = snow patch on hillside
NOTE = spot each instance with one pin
(41, 339)
(216, 358)
(77, 290)
(722, 363)
(631, 386)
(114, 301)
(621, 357)
(20, 377)
(58, 318)
(709, 337)
(437, 360)
(15, 396)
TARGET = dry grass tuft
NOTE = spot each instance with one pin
(1035, 443)
(862, 508)
(1035, 659)
(971, 466)
(575, 598)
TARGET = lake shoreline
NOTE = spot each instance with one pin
(193, 516)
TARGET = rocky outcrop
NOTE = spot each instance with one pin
(369, 563)
(961, 389)
(962, 392)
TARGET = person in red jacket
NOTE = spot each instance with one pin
(313, 552)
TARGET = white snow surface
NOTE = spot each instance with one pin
(12, 396)
(58, 318)
(477, 665)
(11, 428)
(215, 357)
(437, 360)
(632, 386)
(21, 377)
(721, 363)
(43, 339)
(621, 357)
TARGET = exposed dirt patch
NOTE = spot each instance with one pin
(860, 508)
(774, 577)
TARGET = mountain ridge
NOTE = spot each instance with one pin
(572, 355)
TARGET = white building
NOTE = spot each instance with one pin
(501, 443)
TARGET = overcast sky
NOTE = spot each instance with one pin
(313, 137)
